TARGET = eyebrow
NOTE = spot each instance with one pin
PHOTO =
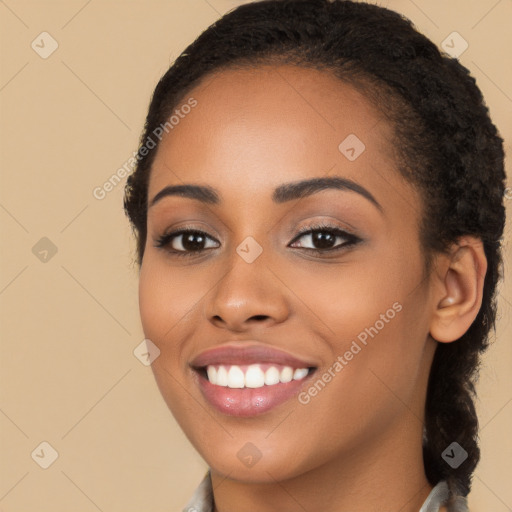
(283, 193)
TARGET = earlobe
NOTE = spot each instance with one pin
(460, 295)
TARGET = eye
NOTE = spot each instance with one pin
(186, 242)
(322, 238)
(325, 238)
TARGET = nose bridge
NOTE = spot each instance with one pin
(248, 290)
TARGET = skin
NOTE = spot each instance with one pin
(357, 444)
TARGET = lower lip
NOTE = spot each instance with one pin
(248, 402)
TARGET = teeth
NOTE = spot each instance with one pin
(254, 376)
(212, 373)
(222, 377)
(286, 374)
(271, 376)
(236, 377)
(300, 373)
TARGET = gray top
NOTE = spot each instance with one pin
(202, 499)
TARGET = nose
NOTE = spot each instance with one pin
(249, 295)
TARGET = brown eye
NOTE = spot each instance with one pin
(186, 242)
(325, 238)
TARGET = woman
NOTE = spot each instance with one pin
(318, 205)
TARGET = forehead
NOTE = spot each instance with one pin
(271, 124)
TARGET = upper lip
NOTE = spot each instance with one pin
(246, 353)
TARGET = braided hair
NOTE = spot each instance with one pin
(445, 144)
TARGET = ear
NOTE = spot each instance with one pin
(460, 283)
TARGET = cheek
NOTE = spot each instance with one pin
(373, 317)
(163, 310)
(348, 299)
(169, 301)
(371, 382)
(152, 300)
(166, 299)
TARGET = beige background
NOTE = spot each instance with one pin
(70, 324)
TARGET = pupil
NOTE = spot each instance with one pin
(323, 240)
(191, 245)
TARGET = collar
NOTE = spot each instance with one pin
(202, 499)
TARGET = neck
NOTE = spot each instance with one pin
(385, 474)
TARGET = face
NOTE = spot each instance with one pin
(292, 318)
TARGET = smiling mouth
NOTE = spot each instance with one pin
(252, 376)
(250, 390)
(249, 378)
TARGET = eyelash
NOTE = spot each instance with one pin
(165, 240)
